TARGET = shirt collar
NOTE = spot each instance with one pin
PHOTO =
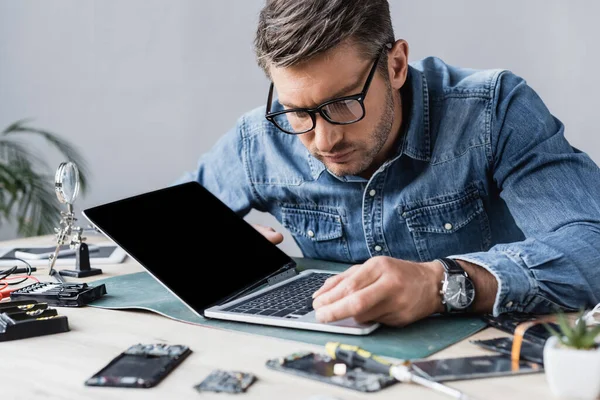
(417, 142)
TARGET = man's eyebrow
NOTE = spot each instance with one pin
(343, 91)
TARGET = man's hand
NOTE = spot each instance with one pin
(395, 292)
(270, 233)
(383, 289)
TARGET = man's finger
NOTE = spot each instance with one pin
(271, 234)
(358, 303)
(330, 283)
(361, 278)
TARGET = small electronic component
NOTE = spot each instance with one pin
(226, 381)
(324, 368)
(140, 366)
(60, 294)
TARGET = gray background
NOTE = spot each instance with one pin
(143, 87)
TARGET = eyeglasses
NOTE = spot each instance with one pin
(341, 111)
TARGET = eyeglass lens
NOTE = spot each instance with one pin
(343, 111)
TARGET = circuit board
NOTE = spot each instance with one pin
(323, 368)
(226, 381)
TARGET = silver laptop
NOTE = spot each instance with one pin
(224, 269)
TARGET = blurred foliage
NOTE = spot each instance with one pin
(576, 335)
(27, 182)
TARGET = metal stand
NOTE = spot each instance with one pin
(82, 267)
(54, 273)
(82, 253)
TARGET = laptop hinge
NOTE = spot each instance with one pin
(288, 271)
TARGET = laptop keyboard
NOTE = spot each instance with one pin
(292, 300)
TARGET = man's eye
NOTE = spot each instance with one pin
(300, 114)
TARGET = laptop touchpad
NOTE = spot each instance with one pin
(348, 322)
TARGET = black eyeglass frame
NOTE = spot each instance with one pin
(360, 97)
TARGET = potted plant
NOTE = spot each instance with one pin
(572, 358)
(27, 181)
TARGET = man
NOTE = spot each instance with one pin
(400, 168)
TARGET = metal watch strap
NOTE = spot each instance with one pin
(451, 266)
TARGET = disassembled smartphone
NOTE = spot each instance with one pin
(323, 368)
(503, 345)
(508, 322)
(140, 366)
(452, 369)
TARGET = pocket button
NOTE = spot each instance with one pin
(447, 226)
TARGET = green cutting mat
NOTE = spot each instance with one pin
(418, 340)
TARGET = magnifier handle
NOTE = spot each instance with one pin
(60, 240)
(52, 260)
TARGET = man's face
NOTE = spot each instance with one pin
(354, 149)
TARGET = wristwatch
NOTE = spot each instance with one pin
(458, 291)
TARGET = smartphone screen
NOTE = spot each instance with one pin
(451, 369)
(140, 366)
(529, 351)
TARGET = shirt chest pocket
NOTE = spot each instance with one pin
(450, 225)
(319, 234)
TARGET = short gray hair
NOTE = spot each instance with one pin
(293, 31)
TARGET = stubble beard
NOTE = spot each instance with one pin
(366, 154)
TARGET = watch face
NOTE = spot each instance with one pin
(459, 291)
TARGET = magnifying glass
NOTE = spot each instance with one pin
(66, 183)
(66, 186)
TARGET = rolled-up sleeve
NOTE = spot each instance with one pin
(553, 192)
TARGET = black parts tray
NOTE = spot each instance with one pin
(60, 294)
(24, 319)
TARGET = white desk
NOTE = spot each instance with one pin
(55, 366)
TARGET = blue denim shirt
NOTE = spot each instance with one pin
(483, 173)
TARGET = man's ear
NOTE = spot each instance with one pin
(398, 63)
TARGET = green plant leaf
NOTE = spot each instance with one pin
(27, 182)
(68, 150)
(40, 213)
(564, 325)
(588, 341)
(577, 335)
(580, 324)
(553, 331)
(15, 125)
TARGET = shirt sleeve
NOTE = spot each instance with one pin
(223, 170)
(553, 192)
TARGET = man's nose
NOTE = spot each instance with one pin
(327, 135)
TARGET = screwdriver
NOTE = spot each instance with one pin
(355, 357)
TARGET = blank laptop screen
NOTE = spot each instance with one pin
(175, 231)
